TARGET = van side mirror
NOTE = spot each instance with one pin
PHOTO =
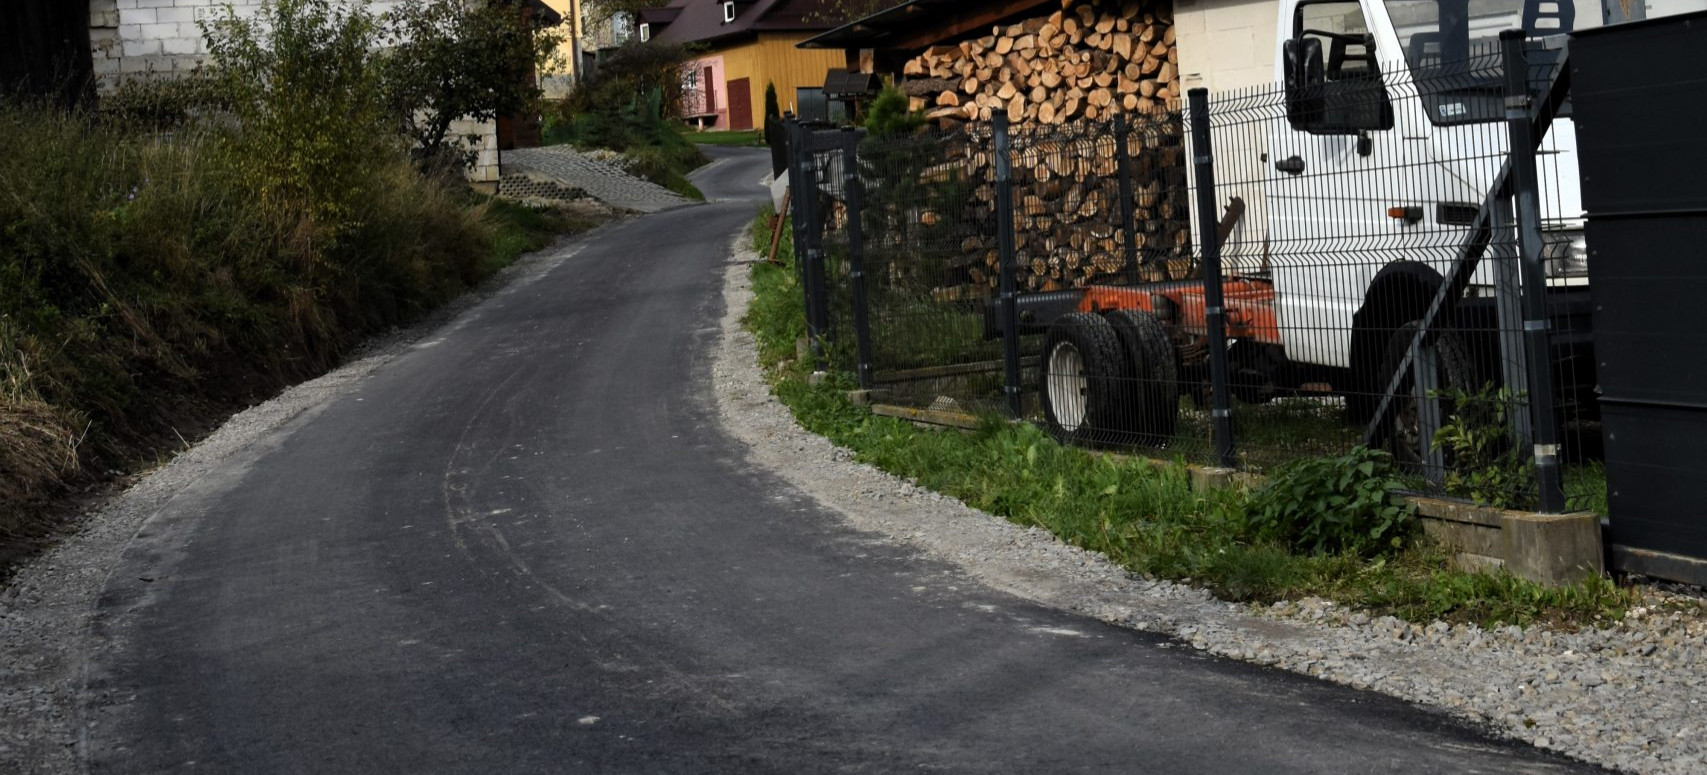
(1305, 82)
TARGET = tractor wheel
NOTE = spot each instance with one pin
(1081, 379)
(1400, 430)
(1153, 403)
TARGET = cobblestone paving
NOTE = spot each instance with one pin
(604, 181)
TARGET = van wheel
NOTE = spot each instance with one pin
(1081, 378)
(1401, 431)
(1152, 408)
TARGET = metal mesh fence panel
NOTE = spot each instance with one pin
(928, 217)
(1375, 275)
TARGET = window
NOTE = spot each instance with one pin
(728, 11)
(645, 32)
(1345, 37)
(1341, 92)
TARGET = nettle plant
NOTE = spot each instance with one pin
(1330, 505)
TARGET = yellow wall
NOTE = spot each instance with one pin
(773, 59)
(556, 82)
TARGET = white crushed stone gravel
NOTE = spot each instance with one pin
(1627, 697)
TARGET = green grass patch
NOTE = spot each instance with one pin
(1149, 519)
(1585, 487)
(746, 138)
(521, 229)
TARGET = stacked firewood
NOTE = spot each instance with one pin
(1052, 77)
(1088, 60)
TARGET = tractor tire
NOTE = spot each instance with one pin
(1081, 379)
(1400, 431)
(1152, 408)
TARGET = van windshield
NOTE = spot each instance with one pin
(1448, 33)
(1452, 48)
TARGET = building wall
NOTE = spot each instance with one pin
(1226, 44)
(773, 59)
(556, 80)
(693, 99)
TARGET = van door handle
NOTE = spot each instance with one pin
(1291, 165)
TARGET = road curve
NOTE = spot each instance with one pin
(525, 545)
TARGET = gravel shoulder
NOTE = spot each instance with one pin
(46, 612)
(1627, 697)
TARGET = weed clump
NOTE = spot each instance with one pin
(1328, 505)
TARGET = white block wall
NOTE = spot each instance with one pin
(1226, 44)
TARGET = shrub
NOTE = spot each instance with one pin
(632, 69)
(304, 86)
(449, 59)
(1333, 504)
(888, 114)
(1484, 464)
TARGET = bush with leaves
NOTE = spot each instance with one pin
(1484, 465)
(1330, 505)
(451, 60)
(303, 84)
(627, 71)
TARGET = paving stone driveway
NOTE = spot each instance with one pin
(604, 181)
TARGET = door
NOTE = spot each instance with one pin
(709, 84)
(740, 104)
(1331, 184)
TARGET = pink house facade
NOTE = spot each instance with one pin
(703, 102)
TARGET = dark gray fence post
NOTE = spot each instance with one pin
(1009, 285)
(1203, 162)
(1123, 157)
(1526, 188)
(809, 248)
(854, 193)
(800, 190)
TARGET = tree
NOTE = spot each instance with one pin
(451, 60)
(773, 109)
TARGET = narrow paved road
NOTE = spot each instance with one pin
(526, 546)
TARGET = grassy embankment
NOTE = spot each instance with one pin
(146, 289)
(1243, 545)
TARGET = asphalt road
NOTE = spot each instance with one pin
(526, 546)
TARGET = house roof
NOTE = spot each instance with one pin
(920, 23)
(701, 21)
